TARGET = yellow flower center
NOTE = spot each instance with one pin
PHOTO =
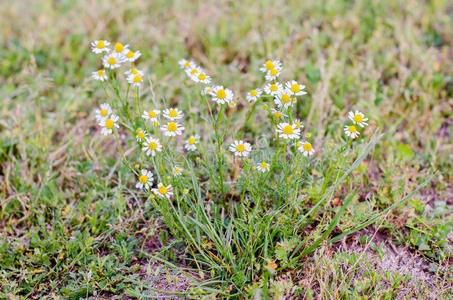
(273, 72)
(308, 135)
(240, 148)
(130, 54)
(134, 71)
(152, 114)
(100, 45)
(352, 129)
(143, 179)
(163, 190)
(176, 170)
(232, 104)
(269, 65)
(286, 98)
(297, 124)
(288, 129)
(191, 141)
(172, 126)
(104, 112)
(137, 78)
(187, 64)
(274, 87)
(278, 114)
(101, 73)
(173, 113)
(295, 88)
(109, 124)
(358, 118)
(111, 61)
(141, 135)
(194, 71)
(119, 47)
(307, 147)
(152, 146)
(253, 93)
(202, 76)
(221, 94)
(263, 165)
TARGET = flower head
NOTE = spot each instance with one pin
(200, 76)
(108, 124)
(132, 56)
(103, 112)
(206, 90)
(191, 143)
(134, 71)
(99, 75)
(358, 118)
(140, 136)
(135, 79)
(253, 95)
(120, 49)
(145, 180)
(163, 191)
(298, 123)
(240, 148)
(221, 95)
(273, 89)
(306, 149)
(277, 114)
(263, 167)
(351, 131)
(271, 64)
(112, 61)
(288, 131)
(172, 129)
(295, 88)
(151, 115)
(283, 99)
(100, 46)
(177, 171)
(173, 114)
(272, 74)
(184, 64)
(151, 146)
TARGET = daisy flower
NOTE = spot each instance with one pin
(283, 99)
(151, 146)
(263, 167)
(277, 114)
(132, 56)
(112, 61)
(221, 95)
(351, 131)
(271, 64)
(253, 95)
(193, 70)
(273, 88)
(298, 123)
(272, 74)
(151, 115)
(288, 131)
(108, 124)
(99, 75)
(135, 79)
(295, 88)
(306, 149)
(177, 171)
(240, 148)
(120, 49)
(103, 112)
(133, 71)
(173, 114)
(201, 76)
(206, 91)
(145, 180)
(140, 135)
(191, 143)
(100, 46)
(163, 191)
(172, 129)
(184, 64)
(358, 118)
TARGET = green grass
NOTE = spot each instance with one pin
(72, 223)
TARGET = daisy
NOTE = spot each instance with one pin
(99, 75)
(358, 118)
(193, 70)
(295, 88)
(263, 167)
(288, 131)
(298, 123)
(173, 114)
(100, 46)
(191, 143)
(273, 88)
(206, 91)
(135, 80)
(163, 191)
(112, 61)
(151, 146)
(271, 64)
(104, 111)
(133, 71)
(277, 114)
(108, 124)
(172, 129)
(201, 76)
(240, 148)
(221, 95)
(120, 49)
(132, 56)
(184, 64)
(306, 149)
(232, 104)
(140, 135)
(177, 171)
(253, 95)
(151, 115)
(272, 74)
(145, 180)
(283, 99)
(351, 131)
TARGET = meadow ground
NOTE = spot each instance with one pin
(72, 225)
